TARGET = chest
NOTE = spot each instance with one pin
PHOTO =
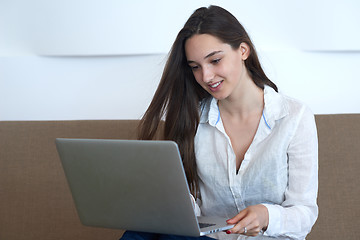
(241, 134)
(263, 173)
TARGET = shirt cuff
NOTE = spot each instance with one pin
(274, 226)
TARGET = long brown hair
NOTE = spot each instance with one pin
(178, 97)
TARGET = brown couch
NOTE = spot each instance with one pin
(35, 202)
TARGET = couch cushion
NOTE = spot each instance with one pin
(339, 185)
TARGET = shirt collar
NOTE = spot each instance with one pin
(210, 112)
(275, 108)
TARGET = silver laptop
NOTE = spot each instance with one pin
(133, 185)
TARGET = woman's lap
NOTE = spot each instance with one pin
(153, 236)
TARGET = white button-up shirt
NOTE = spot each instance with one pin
(279, 170)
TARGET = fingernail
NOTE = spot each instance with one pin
(228, 232)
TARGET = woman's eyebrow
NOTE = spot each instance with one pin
(207, 56)
(212, 54)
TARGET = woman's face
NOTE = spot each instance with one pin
(216, 66)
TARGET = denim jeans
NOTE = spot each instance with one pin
(131, 235)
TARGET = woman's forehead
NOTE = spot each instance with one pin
(201, 45)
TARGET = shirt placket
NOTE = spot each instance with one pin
(234, 179)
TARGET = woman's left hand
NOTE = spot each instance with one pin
(250, 221)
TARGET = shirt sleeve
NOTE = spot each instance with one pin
(295, 217)
(195, 206)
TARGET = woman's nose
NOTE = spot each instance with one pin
(208, 74)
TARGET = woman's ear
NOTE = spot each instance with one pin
(244, 50)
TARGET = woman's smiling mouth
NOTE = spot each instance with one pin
(215, 86)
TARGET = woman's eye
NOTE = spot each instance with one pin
(215, 61)
(194, 67)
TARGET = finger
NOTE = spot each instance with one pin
(237, 218)
(249, 230)
(252, 229)
(240, 227)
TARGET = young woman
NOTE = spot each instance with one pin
(249, 153)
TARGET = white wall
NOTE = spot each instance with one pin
(102, 59)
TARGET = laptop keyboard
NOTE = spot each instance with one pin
(204, 225)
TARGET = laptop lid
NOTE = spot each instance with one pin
(130, 184)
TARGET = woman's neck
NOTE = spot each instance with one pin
(245, 102)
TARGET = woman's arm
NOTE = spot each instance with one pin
(298, 213)
(295, 217)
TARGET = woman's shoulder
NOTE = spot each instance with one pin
(297, 106)
(280, 105)
(299, 113)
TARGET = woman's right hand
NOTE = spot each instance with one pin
(250, 221)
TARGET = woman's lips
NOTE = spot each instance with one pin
(215, 86)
